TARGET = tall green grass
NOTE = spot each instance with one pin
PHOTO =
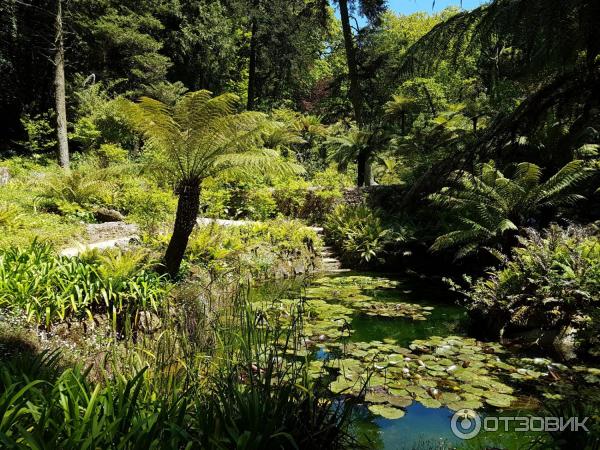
(245, 388)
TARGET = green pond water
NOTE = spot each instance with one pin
(408, 341)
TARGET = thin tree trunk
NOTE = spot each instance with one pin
(188, 205)
(403, 119)
(252, 62)
(59, 85)
(355, 93)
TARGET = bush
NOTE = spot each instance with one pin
(10, 217)
(551, 283)
(41, 135)
(301, 200)
(359, 234)
(75, 193)
(109, 154)
(50, 288)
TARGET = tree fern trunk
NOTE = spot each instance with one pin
(188, 206)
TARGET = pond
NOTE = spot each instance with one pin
(408, 341)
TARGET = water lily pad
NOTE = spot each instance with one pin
(430, 403)
(499, 400)
(375, 397)
(387, 412)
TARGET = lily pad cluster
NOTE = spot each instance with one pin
(329, 304)
(387, 309)
(354, 291)
(322, 321)
(454, 372)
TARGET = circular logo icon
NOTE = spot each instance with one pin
(465, 424)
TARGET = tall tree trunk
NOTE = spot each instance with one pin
(188, 205)
(59, 85)
(252, 62)
(355, 93)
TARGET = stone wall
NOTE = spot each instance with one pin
(386, 197)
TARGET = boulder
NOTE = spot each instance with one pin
(148, 322)
(104, 215)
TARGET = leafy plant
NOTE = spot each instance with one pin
(41, 135)
(359, 233)
(110, 154)
(74, 192)
(552, 282)
(50, 288)
(10, 217)
(491, 207)
(259, 248)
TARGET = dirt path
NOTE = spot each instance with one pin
(104, 235)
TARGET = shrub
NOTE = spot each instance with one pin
(109, 154)
(75, 193)
(146, 204)
(10, 217)
(551, 282)
(41, 135)
(359, 234)
(259, 248)
(50, 288)
(214, 199)
(298, 199)
(260, 204)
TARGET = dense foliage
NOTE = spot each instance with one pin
(551, 284)
(250, 400)
(50, 288)
(222, 142)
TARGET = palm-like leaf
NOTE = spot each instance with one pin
(489, 204)
(202, 135)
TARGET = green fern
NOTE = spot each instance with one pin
(10, 217)
(202, 135)
(491, 206)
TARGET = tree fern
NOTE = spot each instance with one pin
(490, 206)
(198, 137)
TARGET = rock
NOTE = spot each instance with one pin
(565, 343)
(104, 215)
(4, 176)
(111, 230)
(149, 322)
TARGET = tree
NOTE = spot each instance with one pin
(538, 60)
(491, 207)
(59, 90)
(200, 136)
(371, 9)
(286, 38)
